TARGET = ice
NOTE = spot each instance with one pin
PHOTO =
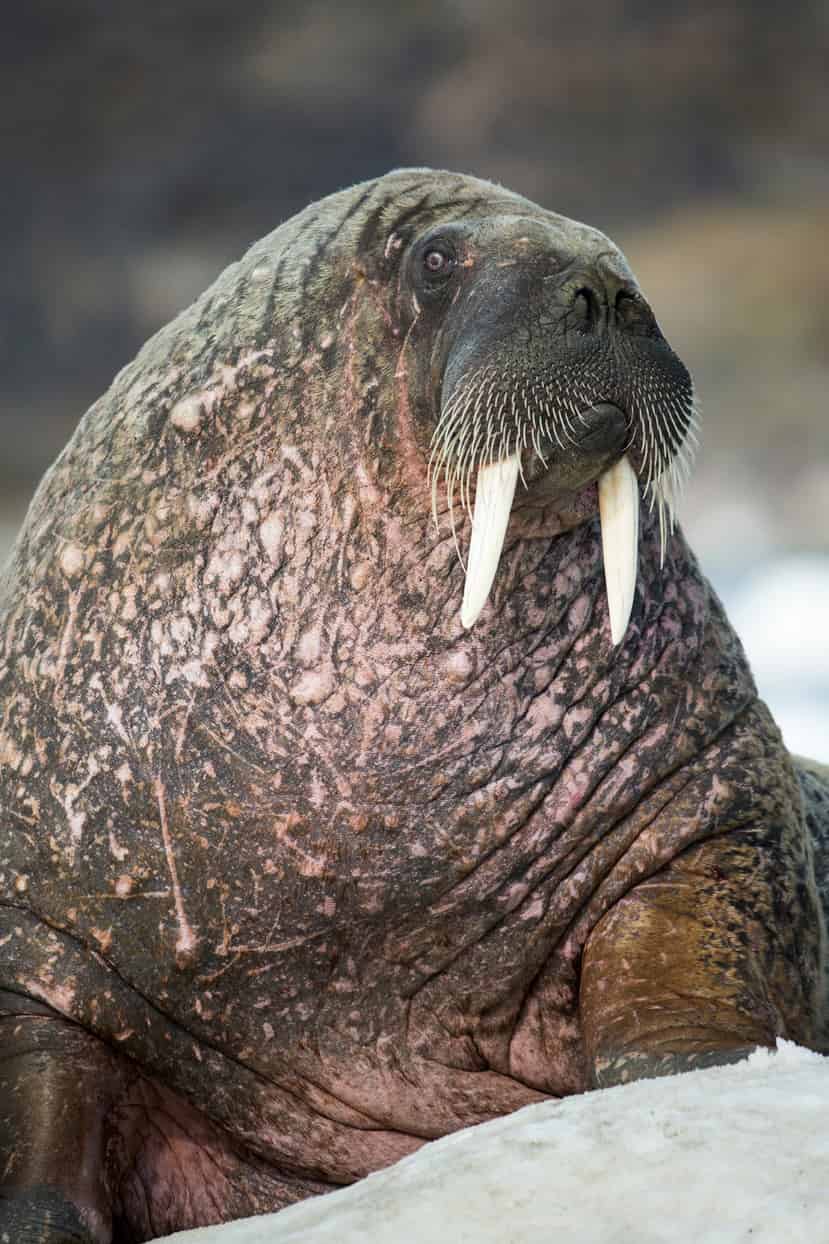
(732, 1154)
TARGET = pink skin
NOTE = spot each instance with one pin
(316, 858)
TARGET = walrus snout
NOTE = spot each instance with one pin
(596, 438)
(601, 431)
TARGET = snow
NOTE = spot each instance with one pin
(781, 613)
(731, 1155)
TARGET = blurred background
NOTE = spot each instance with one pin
(144, 147)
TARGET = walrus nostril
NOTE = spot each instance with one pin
(629, 308)
(587, 306)
(600, 301)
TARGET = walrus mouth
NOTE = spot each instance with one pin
(619, 516)
(658, 455)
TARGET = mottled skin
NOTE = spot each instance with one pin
(296, 872)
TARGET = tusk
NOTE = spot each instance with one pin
(619, 513)
(494, 492)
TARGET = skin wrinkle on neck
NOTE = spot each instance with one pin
(393, 837)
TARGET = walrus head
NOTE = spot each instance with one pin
(545, 365)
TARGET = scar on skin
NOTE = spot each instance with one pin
(186, 942)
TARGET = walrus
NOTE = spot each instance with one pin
(328, 829)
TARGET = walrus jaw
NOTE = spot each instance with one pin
(619, 516)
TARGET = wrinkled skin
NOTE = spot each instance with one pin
(297, 873)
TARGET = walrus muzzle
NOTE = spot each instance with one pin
(570, 381)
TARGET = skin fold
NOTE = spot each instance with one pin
(298, 873)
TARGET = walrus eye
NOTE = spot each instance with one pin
(438, 263)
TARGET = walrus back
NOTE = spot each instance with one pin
(814, 785)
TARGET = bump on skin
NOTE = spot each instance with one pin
(319, 864)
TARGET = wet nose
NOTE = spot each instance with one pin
(589, 305)
(598, 300)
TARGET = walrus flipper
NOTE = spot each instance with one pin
(694, 967)
(58, 1083)
(41, 1215)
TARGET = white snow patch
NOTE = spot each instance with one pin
(781, 613)
(733, 1154)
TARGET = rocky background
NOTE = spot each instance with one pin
(145, 146)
